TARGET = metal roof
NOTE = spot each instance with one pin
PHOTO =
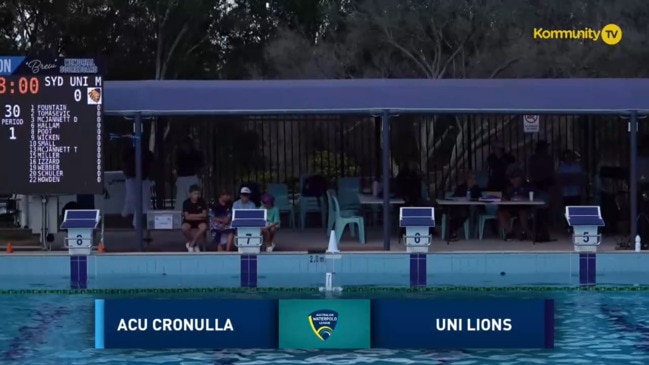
(400, 96)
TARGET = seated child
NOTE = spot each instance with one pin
(194, 218)
(221, 214)
(459, 214)
(272, 222)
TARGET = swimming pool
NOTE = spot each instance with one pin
(592, 327)
(601, 307)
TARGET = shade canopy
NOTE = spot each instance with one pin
(538, 96)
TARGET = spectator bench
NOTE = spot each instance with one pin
(171, 221)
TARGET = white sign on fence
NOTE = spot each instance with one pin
(163, 222)
(531, 123)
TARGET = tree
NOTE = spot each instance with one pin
(460, 39)
(244, 39)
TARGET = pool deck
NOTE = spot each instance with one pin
(316, 240)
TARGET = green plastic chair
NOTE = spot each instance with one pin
(490, 214)
(342, 220)
(467, 222)
(348, 200)
(309, 204)
(331, 214)
(282, 201)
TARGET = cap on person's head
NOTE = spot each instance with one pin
(245, 191)
(268, 199)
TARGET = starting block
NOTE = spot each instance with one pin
(248, 223)
(585, 222)
(81, 225)
(417, 222)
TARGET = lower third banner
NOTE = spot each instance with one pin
(462, 324)
(165, 324)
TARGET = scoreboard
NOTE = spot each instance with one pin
(51, 121)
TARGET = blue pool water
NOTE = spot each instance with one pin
(305, 280)
(591, 328)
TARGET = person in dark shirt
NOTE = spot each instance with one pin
(498, 161)
(221, 214)
(128, 168)
(458, 215)
(189, 162)
(516, 189)
(543, 178)
(194, 217)
(408, 184)
(541, 167)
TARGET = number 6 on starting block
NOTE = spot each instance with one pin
(417, 223)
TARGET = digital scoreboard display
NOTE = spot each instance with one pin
(51, 121)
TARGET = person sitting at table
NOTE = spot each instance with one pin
(408, 184)
(498, 161)
(542, 178)
(517, 189)
(459, 214)
(408, 187)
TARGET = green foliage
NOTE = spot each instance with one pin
(265, 39)
(225, 39)
(263, 178)
(330, 164)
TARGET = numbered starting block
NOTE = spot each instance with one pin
(417, 222)
(81, 225)
(248, 223)
(585, 222)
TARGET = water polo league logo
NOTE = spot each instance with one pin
(323, 322)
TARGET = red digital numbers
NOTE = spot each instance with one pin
(28, 85)
(25, 85)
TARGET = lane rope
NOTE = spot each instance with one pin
(351, 289)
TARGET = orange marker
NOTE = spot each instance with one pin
(100, 248)
(10, 247)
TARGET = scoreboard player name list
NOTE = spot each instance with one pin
(45, 146)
